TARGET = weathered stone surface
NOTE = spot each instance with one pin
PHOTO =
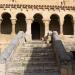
(60, 49)
(11, 47)
(2, 69)
(40, 60)
(68, 42)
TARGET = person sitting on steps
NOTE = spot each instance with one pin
(47, 38)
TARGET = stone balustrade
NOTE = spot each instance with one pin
(12, 46)
(59, 47)
(8, 51)
(63, 59)
(19, 39)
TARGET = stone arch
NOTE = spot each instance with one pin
(20, 23)
(54, 24)
(6, 24)
(68, 25)
(37, 27)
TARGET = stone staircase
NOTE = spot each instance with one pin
(33, 58)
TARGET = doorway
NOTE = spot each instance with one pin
(35, 30)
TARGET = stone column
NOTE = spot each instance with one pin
(46, 22)
(74, 25)
(13, 26)
(61, 25)
(0, 25)
(28, 32)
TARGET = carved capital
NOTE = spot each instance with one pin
(13, 21)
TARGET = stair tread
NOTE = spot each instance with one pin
(31, 69)
(32, 63)
(33, 57)
(41, 73)
(37, 56)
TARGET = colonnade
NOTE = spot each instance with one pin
(65, 25)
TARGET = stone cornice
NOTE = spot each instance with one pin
(37, 6)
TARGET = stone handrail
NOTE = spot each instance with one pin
(11, 47)
(59, 48)
(63, 59)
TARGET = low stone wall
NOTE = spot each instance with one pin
(8, 51)
(59, 47)
(63, 59)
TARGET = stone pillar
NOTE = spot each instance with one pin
(46, 22)
(0, 25)
(13, 26)
(28, 32)
(61, 25)
(74, 25)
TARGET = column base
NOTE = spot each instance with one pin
(46, 33)
(61, 33)
(13, 34)
(28, 37)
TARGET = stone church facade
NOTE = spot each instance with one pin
(25, 53)
(36, 18)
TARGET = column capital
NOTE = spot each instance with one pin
(13, 21)
(0, 25)
(61, 20)
(29, 20)
(46, 20)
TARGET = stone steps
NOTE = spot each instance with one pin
(33, 58)
(35, 44)
(23, 63)
(35, 50)
(35, 62)
(34, 73)
(47, 64)
(19, 55)
(32, 69)
(39, 45)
